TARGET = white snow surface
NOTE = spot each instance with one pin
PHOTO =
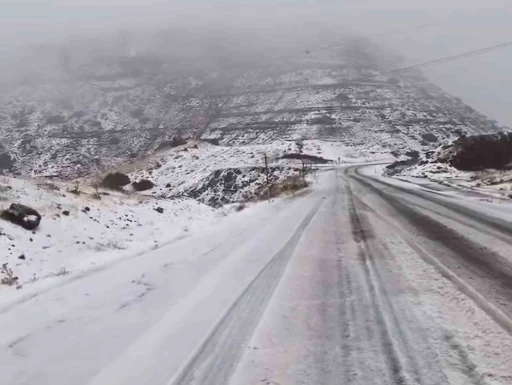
(95, 232)
(485, 201)
(495, 183)
(124, 224)
(191, 284)
(141, 319)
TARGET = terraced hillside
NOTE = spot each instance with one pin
(106, 109)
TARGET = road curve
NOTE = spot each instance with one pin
(379, 292)
(360, 281)
(486, 273)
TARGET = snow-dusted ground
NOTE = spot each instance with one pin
(177, 170)
(487, 201)
(94, 233)
(494, 183)
(140, 319)
(125, 224)
(337, 283)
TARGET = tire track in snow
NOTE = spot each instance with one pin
(478, 272)
(397, 366)
(400, 353)
(217, 357)
(452, 350)
(496, 224)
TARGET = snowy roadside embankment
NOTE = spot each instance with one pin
(79, 232)
(217, 175)
(194, 185)
(479, 163)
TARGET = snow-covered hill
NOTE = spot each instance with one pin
(198, 132)
(114, 107)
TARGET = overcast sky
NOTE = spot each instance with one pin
(458, 26)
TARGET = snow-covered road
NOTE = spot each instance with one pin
(363, 280)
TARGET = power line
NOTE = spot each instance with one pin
(454, 57)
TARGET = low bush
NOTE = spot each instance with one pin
(143, 185)
(115, 181)
(7, 276)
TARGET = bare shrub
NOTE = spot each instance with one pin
(34, 278)
(111, 244)
(76, 189)
(115, 181)
(60, 273)
(289, 185)
(48, 186)
(7, 275)
(96, 194)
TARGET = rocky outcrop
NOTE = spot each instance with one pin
(479, 152)
(399, 166)
(232, 185)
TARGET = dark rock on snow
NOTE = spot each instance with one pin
(213, 141)
(479, 152)
(143, 185)
(307, 158)
(413, 154)
(159, 210)
(6, 162)
(429, 138)
(398, 166)
(24, 216)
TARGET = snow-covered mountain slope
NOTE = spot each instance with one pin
(218, 174)
(115, 107)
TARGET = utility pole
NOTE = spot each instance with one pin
(266, 173)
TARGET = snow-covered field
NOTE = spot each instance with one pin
(358, 299)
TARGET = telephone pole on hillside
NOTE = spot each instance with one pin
(268, 181)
